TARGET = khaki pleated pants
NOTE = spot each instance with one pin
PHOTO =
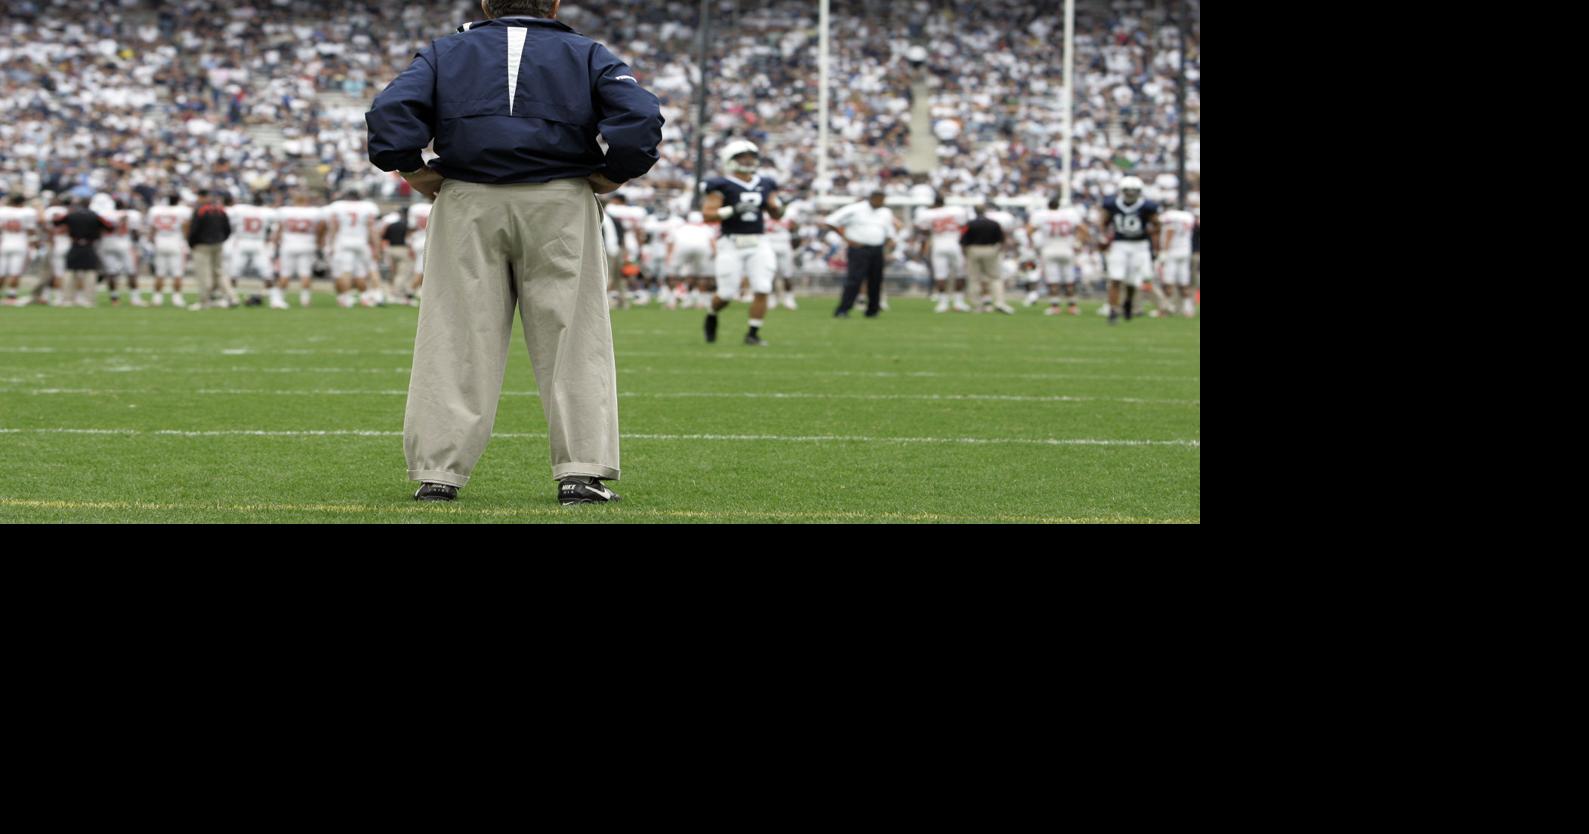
(491, 248)
(982, 262)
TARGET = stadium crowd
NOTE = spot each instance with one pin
(140, 100)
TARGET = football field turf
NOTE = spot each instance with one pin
(258, 415)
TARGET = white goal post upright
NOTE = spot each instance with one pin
(824, 183)
(1070, 108)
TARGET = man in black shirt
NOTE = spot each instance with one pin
(82, 260)
(209, 230)
(396, 256)
(981, 241)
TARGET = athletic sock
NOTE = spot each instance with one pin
(755, 326)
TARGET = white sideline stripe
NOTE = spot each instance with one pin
(769, 438)
(727, 395)
(762, 356)
(238, 369)
(442, 512)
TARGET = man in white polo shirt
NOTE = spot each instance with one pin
(869, 229)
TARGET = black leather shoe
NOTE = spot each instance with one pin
(436, 492)
(576, 490)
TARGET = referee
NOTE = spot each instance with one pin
(516, 227)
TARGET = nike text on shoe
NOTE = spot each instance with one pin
(436, 492)
(580, 490)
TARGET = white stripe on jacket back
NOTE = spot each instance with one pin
(515, 54)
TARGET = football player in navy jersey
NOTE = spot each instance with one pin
(1130, 222)
(738, 202)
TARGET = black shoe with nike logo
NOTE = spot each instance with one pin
(580, 490)
(436, 492)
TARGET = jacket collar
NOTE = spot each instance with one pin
(517, 21)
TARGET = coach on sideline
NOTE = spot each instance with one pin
(514, 104)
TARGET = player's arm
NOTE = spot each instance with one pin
(1106, 237)
(713, 208)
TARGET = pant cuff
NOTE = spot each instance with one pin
(437, 476)
(589, 470)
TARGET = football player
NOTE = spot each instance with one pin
(19, 227)
(738, 204)
(117, 252)
(780, 236)
(250, 250)
(169, 225)
(944, 223)
(418, 223)
(60, 242)
(1056, 230)
(352, 230)
(692, 249)
(1130, 221)
(300, 233)
(1175, 256)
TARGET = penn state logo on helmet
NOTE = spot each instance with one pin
(731, 153)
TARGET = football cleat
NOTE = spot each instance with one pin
(583, 490)
(429, 491)
(1005, 309)
(1053, 310)
(755, 341)
(943, 306)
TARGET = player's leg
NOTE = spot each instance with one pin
(730, 274)
(1051, 268)
(854, 275)
(762, 266)
(942, 266)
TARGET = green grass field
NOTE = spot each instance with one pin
(255, 415)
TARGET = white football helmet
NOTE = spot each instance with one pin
(1130, 189)
(736, 148)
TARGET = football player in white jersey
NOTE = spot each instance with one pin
(20, 229)
(1175, 256)
(418, 228)
(300, 234)
(353, 243)
(692, 251)
(251, 228)
(60, 242)
(1057, 231)
(780, 235)
(630, 221)
(941, 248)
(169, 225)
(118, 252)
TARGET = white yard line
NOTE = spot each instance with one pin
(438, 512)
(759, 438)
(728, 395)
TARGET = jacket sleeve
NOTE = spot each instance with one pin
(402, 118)
(630, 118)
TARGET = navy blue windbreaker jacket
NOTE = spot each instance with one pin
(516, 99)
